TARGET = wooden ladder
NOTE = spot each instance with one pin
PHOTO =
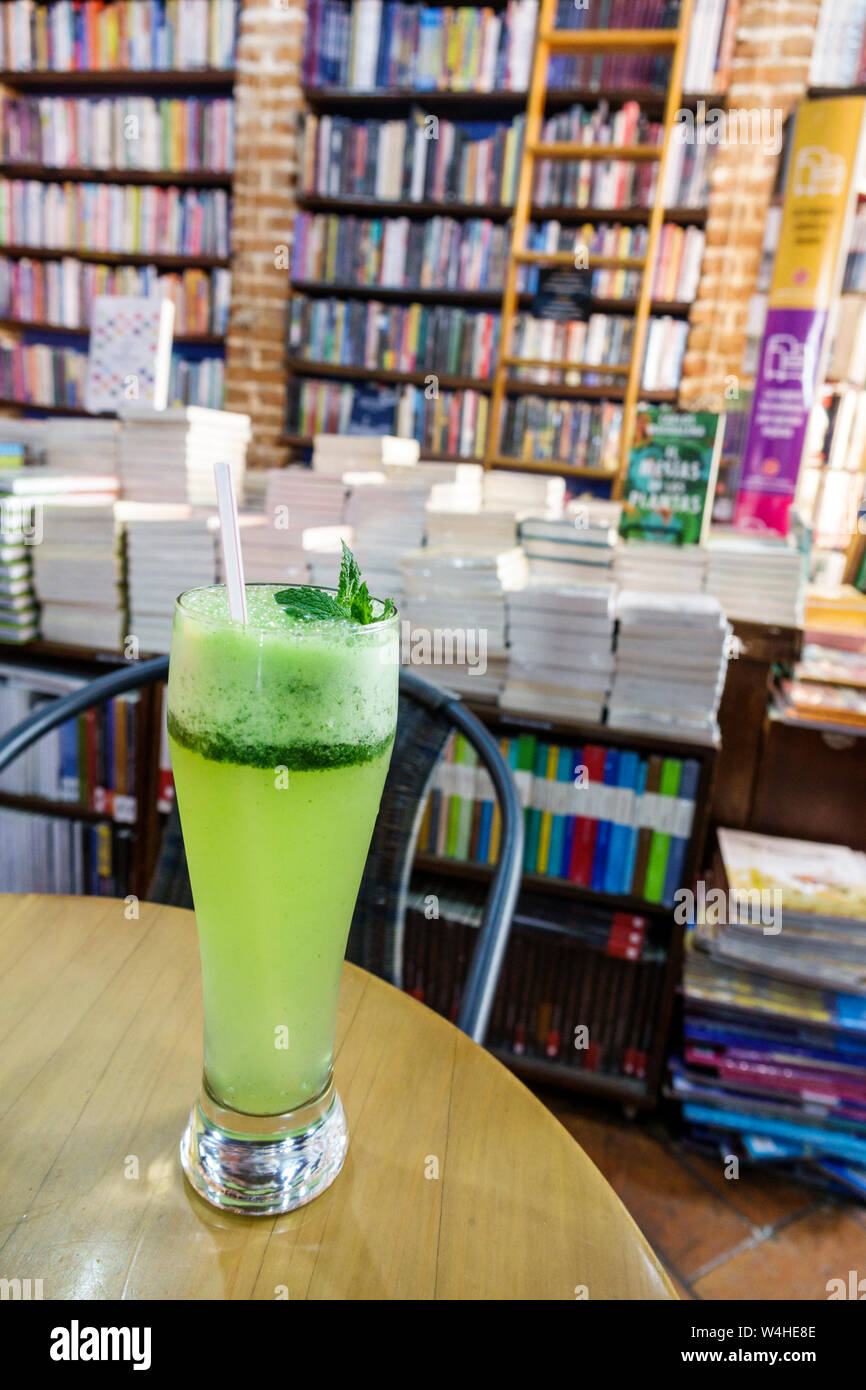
(552, 41)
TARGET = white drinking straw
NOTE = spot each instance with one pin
(230, 535)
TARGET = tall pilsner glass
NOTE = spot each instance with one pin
(281, 733)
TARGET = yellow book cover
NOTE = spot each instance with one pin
(547, 816)
(103, 850)
(496, 822)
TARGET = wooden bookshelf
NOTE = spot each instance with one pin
(120, 80)
(79, 253)
(169, 178)
(659, 103)
(64, 330)
(496, 212)
(104, 83)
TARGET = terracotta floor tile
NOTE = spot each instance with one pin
(688, 1224)
(795, 1262)
(761, 1198)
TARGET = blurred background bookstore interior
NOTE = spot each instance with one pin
(570, 347)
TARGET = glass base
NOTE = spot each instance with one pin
(262, 1165)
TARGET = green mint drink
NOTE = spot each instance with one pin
(281, 733)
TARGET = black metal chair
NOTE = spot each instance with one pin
(427, 717)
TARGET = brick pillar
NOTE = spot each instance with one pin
(267, 99)
(770, 71)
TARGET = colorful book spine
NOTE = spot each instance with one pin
(605, 823)
(657, 861)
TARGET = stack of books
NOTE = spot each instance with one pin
(756, 580)
(526, 494)
(773, 1064)
(390, 517)
(170, 547)
(297, 500)
(560, 650)
(828, 684)
(79, 564)
(19, 615)
(484, 529)
(168, 455)
(658, 568)
(578, 548)
(671, 662)
(86, 446)
(455, 605)
(336, 454)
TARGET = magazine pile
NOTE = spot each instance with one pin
(772, 1068)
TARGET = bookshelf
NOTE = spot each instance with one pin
(144, 827)
(663, 932)
(178, 118)
(317, 376)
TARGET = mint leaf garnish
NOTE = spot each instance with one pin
(350, 579)
(310, 604)
(352, 599)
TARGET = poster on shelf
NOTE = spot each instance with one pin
(821, 189)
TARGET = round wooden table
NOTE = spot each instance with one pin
(458, 1184)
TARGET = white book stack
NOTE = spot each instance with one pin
(297, 499)
(336, 454)
(33, 434)
(460, 531)
(455, 607)
(527, 494)
(388, 518)
(577, 548)
(756, 580)
(652, 568)
(168, 455)
(323, 548)
(19, 614)
(169, 548)
(671, 661)
(456, 487)
(86, 446)
(560, 649)
(79, 573)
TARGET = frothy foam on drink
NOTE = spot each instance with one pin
(280, 690)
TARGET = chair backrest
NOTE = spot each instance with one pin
(427, 717)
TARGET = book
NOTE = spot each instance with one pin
(670, 483)
(130, 352)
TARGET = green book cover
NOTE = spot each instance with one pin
(523, 775)
(468, 765)
(454, 803)
(657, 859)
(533, 819)
(671, 479)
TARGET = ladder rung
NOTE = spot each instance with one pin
(567, 258)
(598, 367)
(609, 40)
(567, 150)
(550, 466)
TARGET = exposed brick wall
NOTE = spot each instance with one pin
(770, 70)
(267, 99)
